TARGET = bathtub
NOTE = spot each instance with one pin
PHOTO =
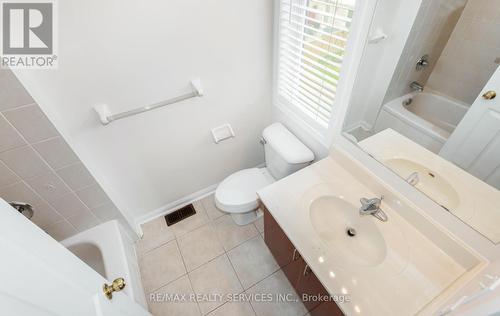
(108, 250)
(428, 119)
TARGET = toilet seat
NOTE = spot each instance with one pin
(238, 192)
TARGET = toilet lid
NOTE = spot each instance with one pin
(238, 192)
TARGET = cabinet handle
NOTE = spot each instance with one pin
(296, 255)
(307, 270)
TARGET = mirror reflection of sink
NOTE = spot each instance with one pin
(339, 225)
(429, 182)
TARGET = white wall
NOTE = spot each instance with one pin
(133, 53)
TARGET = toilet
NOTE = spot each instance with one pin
(284, 154)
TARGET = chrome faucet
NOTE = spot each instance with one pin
(415, 86)
(372, 207)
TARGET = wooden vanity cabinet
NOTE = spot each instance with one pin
(276, 240)
(295, 268)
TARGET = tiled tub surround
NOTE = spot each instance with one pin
(209, 254)
(38, 167)
(475, 46)
(435, 22)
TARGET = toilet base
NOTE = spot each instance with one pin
(243, 219)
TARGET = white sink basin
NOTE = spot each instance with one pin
(362, 245)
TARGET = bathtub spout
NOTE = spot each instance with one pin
(415, 86)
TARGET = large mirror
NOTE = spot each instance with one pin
(432, 114)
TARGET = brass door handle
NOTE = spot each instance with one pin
(489, 95)
(116, 286)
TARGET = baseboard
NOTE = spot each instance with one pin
(170, 207)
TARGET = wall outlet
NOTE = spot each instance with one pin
(497, 61)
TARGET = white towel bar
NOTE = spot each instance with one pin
(106, 117)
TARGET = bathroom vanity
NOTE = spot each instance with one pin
(296, 269)
(407, 265)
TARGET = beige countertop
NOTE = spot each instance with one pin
(420, 265)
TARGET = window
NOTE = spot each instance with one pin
(312, 43)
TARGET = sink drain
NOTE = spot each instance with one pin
(351, 232)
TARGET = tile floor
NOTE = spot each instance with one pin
(208, 254)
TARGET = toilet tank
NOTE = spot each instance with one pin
(284, 152)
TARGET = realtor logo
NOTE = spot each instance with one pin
(28, 31)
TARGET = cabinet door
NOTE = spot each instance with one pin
(277, 241)
(293, 271)
(327, 309)
(295, 268)
(309, 285)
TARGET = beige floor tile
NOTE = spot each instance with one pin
(216, 278)
(174, 299)
(161, 266)
(277, 284)
(252, 261)
(191, 223)
(200, 246)
(212, 211)
(230, 234)
(156, 233)
(234, 309)
(259, 224)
